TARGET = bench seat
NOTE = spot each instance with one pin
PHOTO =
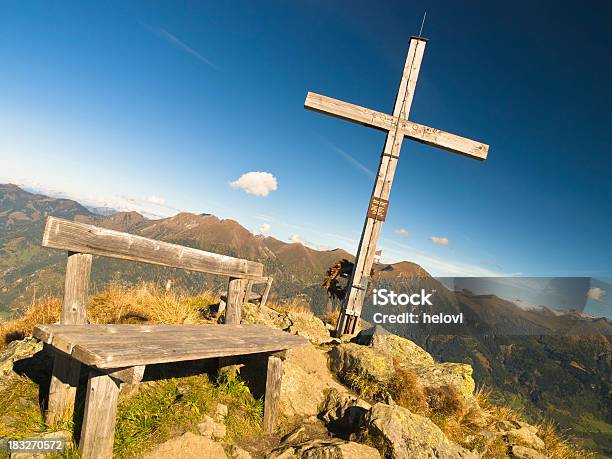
(113, 346)
(116, 354)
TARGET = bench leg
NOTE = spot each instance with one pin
(272, 397)
(236, 297)
(98, 431)
(62, 390)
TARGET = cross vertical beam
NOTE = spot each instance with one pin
(358, 283)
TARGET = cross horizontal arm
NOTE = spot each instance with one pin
(349, 112)
(445, 140)
(382, 121)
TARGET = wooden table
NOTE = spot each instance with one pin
(119, 353)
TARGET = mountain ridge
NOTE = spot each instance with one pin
(566, 377)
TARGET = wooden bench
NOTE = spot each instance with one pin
(114, 354)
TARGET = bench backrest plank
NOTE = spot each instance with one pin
(83, 238)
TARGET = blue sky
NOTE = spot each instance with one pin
(160, 105)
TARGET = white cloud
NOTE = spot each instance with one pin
(156, 200)
(265, 229)
(439, 240)
(596, 293)
(296, 238)
(403, 232)
(257, 183)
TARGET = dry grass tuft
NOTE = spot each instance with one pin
(298, 304)
(44, 311)
(148, 303)
(446, 400)
(365, 386)
(405, 389)
(558, 445)
(483, 398)
(331, 316)
(144, 303)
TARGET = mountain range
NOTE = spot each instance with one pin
(565, 375)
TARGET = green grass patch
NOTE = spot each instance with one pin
(157, 412)
(169, 407)
(20, 413)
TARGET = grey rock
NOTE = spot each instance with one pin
(522, 452)
(525, 436)
(410, 436)
(211, 429)
(306, 378)
(325, 449)
(342, 412)
(17, 350)
(187, 446)
(221, 412)
(239, 453)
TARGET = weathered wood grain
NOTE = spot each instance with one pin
(397, 127)
(76, 287)
(444, 140)
(115, 346)
(381, 121)
(349, 112)
(98, 431)
(79, 237)
(358, 282)
(129, 375)
(236, 294)
(266, 292)
(62, 390)
(66, 371)
(273, 387)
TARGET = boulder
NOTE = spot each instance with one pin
(525, 436)
(457, 375)
(325, 449)
(364, 360)
(297, 435)
(309, 326)
(410, 436)
(342, 412)
(239, 453)
(306, 378)
(17, 350)
(188, 446)
(303, 324)
(211, 429)
(221, 412)
(522, 452)
(375, 354)
(386, 342)
(262, 315)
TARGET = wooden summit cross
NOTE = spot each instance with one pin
(397, 127)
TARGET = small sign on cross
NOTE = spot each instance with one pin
(397, 126)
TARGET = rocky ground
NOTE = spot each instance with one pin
(376, 395)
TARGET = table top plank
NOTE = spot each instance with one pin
(108, 346)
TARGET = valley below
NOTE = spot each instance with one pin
(564, 375)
